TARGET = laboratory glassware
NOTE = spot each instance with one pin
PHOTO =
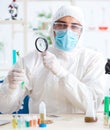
(91, 25)
(91, 115)
(103, 25)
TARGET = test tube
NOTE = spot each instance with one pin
(103, 25)
(22, 66)
(91, 25)
(14, 56)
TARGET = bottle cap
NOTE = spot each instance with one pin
(43, 125)
(13, 115)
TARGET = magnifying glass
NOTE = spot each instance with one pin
(41, 44)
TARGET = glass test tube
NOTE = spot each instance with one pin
(103, 25)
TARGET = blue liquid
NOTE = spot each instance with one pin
(14, 56)
(27, 123)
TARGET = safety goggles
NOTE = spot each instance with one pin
(73, 26)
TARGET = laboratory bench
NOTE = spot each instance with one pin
(61, 122)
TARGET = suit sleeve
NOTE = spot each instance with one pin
(92, 83)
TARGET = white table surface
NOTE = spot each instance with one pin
(63, 122)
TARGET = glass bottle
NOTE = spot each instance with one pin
(14, 122)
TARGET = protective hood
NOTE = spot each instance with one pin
(63, 11)
(69, 10)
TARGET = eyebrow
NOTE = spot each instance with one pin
(65, 22)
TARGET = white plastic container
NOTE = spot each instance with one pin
(42, 112)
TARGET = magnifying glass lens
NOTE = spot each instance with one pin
(41, 44)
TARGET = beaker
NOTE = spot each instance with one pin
(91, 115)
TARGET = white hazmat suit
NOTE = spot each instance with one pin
(64, 85)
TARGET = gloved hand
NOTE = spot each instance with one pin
(51, 62)
(16, 77)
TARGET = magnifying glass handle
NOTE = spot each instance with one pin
(44, 53)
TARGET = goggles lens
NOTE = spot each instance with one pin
(73, 26)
